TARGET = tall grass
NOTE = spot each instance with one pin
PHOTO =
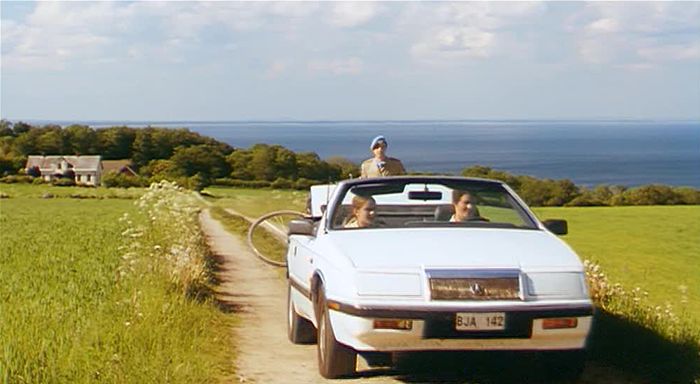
(656, 342)
(88, 298)
(170, 238)
(269, 245)
(634, 304)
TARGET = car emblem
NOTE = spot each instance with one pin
(477, 289)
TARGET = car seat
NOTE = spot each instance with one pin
(444, 212)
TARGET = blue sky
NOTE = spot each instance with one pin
(349, 61)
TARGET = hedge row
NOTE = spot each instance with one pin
(279, 183)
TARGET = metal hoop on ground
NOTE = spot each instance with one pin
(279, 233)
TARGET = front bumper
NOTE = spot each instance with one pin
(435, 330)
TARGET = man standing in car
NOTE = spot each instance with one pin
(381, 165)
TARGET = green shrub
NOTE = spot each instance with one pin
(11, 179)
(242, 183)
(282, 183)
(120, 180)
(688, 195)
(304, 184)
(11, 165)
(63, 182)
(82, 196)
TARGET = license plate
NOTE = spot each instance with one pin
(492, 321)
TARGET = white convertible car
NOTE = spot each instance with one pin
(383, 265)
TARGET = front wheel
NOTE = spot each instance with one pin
(334, 359)
(299, 330)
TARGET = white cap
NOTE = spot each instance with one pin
(378, 140)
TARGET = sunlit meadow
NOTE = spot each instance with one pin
(108, 290)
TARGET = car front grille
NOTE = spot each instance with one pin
(474, 285)
(474, 289)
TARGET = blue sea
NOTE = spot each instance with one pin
(589, 153)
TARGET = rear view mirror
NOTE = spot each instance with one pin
(556, 226)
(301, 227)
(424, 195)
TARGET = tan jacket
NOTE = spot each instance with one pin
(392, 167)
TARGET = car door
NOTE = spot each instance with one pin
(300, 259)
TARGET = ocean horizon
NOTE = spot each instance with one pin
(588, 152)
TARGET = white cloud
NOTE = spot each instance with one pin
(56, 33)
(604, 25)
(627, 34)
(352, 14)
(488, 15)
(189, 19)
(454, 43)
(676, 52)
(349, 66)
(455, 32)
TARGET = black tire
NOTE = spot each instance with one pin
(299, 330)
(334, 359)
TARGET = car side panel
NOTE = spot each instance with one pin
(300, 260)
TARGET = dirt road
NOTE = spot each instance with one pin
(257, 292)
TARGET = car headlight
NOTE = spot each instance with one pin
(557, 285)
(388, 284)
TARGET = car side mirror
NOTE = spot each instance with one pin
(557, 226)
(301, 227)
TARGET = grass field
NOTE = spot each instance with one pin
(67, 314)
(256, 202)
(656, 248)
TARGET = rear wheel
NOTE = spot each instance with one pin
(334, 359)
(299, 330)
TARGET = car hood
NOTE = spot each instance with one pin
(456, 248)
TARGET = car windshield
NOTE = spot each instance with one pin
(433, 203)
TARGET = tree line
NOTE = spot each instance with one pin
(164, 153)
(554, 193)
(196, 161)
